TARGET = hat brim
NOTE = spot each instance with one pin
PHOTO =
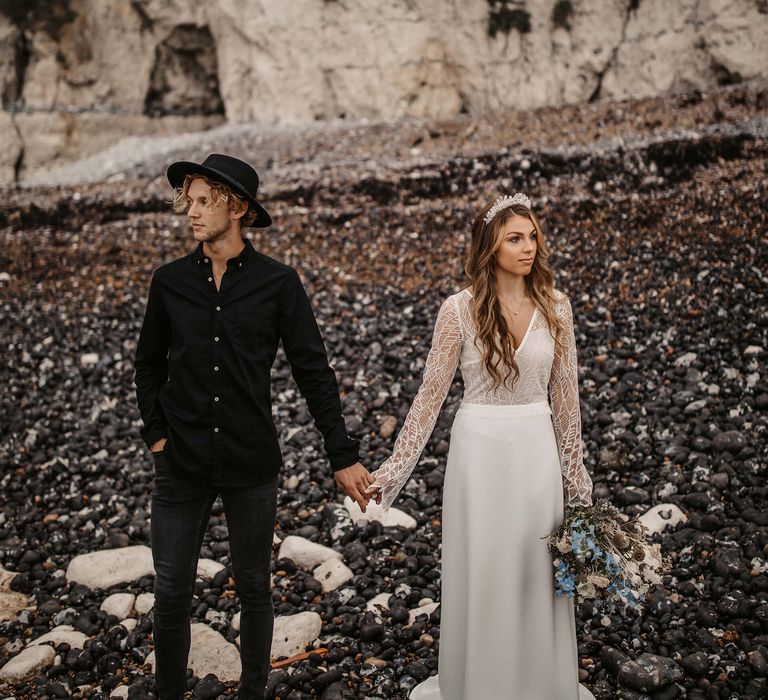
(180, 169)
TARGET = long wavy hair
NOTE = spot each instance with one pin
(493, 333)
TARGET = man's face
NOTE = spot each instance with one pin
(209, 222)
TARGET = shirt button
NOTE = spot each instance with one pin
(216, 369)
(218, 308)
(210, 279)
(205, 260)
(216, 338)
(215, 430)
(215, 398)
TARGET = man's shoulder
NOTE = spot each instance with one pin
(274, 265)
(167, 269)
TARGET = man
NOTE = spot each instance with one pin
(209, 337)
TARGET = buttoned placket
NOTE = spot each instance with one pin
(218, 301)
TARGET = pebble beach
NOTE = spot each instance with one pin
(656, 214)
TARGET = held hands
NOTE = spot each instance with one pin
(355, 481)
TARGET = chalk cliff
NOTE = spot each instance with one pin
(77, 75)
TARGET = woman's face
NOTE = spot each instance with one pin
(518, 246)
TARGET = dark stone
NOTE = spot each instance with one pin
(649, 672)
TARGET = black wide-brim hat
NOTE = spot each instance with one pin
(236, 174)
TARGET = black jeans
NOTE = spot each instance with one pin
(180, 513)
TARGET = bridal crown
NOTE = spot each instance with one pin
(506, 201)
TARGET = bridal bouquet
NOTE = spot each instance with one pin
(599, 557)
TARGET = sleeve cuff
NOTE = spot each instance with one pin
(154, 435)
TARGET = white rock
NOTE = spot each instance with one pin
(28, 663)
(427, 609)
(394, 517)
(109, 567)
(89, 359)
(144, 603)
(119, 605)
(210, 653)
(235, 624)
(11, 604)
(120, 692)
(304, 553)
(753, 350)
(379, 603)
(292, 633)
(291, 482)
(686, 359)
(208, 568)
(5, 277)
(129, 623)
(61, 634)
(275, 539)
(332, 574)
(662, 516)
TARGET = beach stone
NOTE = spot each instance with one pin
(332, 574)
(393, 517)
(63, 634)
(89, 359)
(208, 687)
(120, 692)
(28, 663)
(144, 603)
(293, 633)
(119, 604)
(208, 568)
(129, 623)
(696, 664)
(662, 516)
(110, 567)
(388, 427)
(209, 653)
(235, 624)
(729, 441)
(426, 609)
(11, 604)
(649, 672)
(378, 604)
(5, 579)
(304, 553)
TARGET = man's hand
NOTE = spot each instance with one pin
(354, 481)
(159, 446)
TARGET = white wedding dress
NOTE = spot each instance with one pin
(504, 635)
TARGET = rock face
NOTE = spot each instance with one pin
(194, 64)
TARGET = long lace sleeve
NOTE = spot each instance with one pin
(442, 361)
(566, 415)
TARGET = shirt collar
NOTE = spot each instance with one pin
(237, 262)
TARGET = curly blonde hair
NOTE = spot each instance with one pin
(220, 193)
(493, 332)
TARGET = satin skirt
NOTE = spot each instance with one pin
(504, 635)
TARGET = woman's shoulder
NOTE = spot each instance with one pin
(458, 300)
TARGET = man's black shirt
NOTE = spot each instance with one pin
(203, 368)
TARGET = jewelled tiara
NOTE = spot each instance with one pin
(506, 201)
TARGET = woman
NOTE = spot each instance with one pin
(504, 635)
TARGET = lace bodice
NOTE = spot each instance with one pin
(544, 368)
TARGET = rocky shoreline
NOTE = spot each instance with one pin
(656, 215)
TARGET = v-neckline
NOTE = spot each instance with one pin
(527, 330)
